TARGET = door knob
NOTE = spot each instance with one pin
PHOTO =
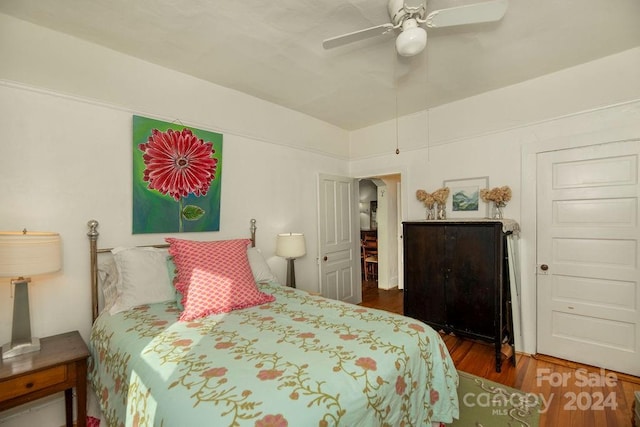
(325, 258)
(544, 267)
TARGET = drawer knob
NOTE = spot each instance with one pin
(29, 385)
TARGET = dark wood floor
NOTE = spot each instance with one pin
(588, 397)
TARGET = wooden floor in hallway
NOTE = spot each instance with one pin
(574, 395)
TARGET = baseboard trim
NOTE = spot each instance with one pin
(576, 365)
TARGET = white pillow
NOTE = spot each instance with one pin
(259, 267)
(143, 277)
(107, 282)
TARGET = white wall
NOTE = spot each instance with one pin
(42, 58)
(65, 157)
(591, 86)
(487, 135)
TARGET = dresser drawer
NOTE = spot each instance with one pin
(32, 382)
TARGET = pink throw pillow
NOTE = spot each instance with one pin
(214, 277)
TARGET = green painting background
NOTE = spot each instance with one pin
(154, 212)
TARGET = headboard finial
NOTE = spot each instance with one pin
(93, 256)
(93, 229)
(253, 229)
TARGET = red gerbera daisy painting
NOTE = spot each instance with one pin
(178, 163)
(176, 177)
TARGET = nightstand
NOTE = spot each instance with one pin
(60, 365)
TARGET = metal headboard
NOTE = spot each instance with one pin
(94, 251)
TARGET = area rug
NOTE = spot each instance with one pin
(484, 403)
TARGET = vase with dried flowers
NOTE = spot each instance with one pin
(499, 196)
(440, 196)
(428, 201)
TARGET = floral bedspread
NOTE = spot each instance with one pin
(301, 360)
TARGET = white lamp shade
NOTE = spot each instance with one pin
(29, 253)
(290, 245)
(412, 40)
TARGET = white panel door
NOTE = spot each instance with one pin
(339, 239)
(588, 258)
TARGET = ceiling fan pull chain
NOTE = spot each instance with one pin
(397, 138)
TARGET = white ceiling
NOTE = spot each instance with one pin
(273, 49)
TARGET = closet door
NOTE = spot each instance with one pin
(424, 297)
(472, 272)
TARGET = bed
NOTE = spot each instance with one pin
(291, 359)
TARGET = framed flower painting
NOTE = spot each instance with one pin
(465, 201)
(176, 178)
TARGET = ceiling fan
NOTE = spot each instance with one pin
(409, 16)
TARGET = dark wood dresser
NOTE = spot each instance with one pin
(456, 279)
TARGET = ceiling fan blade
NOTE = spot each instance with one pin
(488, 11)
(357, 35)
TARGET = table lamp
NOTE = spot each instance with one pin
(22, 254)
(290, 246)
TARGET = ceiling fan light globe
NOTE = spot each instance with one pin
(411, 41)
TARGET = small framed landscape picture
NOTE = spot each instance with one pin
(464, 198)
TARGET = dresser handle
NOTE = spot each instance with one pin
(29, 385)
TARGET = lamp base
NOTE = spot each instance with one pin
(21, 340)
(11, 351)
(291, 273)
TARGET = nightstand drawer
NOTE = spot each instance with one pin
(33, 382)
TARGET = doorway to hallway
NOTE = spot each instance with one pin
(380, 222)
